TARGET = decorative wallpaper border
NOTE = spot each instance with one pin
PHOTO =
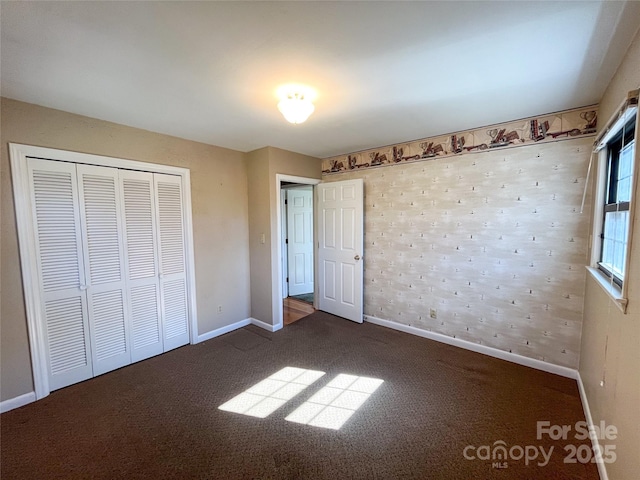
(542, 129)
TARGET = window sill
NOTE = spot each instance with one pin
(614, 292)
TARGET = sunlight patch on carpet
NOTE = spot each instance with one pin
(335, 403)
(267, 396)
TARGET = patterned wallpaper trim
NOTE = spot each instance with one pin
(542, 129)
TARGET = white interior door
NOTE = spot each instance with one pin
(141, 261)
(54, 203)
(340, 248)
(173, 279)
(107, 306)
(300, 239)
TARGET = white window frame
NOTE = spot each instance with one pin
(618, 294)
(27, 241)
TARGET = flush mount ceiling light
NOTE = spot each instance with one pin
(296, 106)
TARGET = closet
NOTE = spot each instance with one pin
(111, 266)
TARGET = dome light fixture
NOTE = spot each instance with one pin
(295, 107)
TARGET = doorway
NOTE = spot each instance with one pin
(297, 250)
(337, 245)
(280, 291)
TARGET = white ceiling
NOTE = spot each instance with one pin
(385, 72)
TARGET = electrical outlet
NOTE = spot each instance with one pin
(219, 308)
(433, 313)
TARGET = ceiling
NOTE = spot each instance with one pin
(385, 72)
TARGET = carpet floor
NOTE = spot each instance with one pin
(160, 419)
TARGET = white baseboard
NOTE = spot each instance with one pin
(602, 468)
(16, 402)
(266, 326)
(474, 347)
(234, 326)
(222, 330)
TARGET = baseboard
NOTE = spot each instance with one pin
(602, 468)
(234, 326)
(222, 330)
(474, 347)
(266, 326)
(16, 402)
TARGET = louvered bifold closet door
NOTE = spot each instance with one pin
(54, 200)
(100, 213)
(141, 263)
(171, 245)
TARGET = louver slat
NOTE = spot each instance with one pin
(65, 330)
(101, 218)
(171, 235)
(108, 324)
(175, 308)
(56, 226)
(139, 228)
(144, 312)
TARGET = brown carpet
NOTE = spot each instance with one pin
(160, 419)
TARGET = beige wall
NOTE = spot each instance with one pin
(220, 219)
(492, 241)
(263, 166)
(610, 350)
(259, 224)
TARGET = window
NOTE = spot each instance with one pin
(615, 203)
(617, 197)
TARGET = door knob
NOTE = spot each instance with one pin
(357, 257)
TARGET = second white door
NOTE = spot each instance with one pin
(300, 239)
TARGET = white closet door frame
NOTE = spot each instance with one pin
(27, 242)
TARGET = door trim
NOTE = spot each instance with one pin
(276, 248)
(283, 245)
(18, 154)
